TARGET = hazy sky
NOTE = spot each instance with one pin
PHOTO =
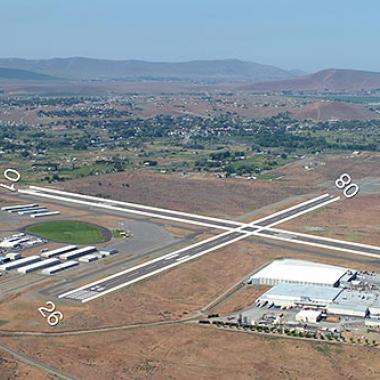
(303, 34)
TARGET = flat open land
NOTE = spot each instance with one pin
(13, 369)
(194, 352)
(147, 334)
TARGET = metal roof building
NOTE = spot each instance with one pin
(38, 265)
(349, 310)
(299, 272)
(60, 267)
(15, 207)
(89, 258)
(302, 295)
(77, 253)
(58, 251)
(42, 214)
(309, 316)
(19, 263)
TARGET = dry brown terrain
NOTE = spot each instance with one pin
(178, 351)
(324, 111)
(229, 197)
(325, 80)
(194, 352)
(11, 369)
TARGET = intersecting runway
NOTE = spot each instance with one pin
(235, 231)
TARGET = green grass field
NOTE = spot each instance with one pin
(68, 231)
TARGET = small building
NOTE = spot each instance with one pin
(309, 316)
(89, 258)
(13, 255)
(374, 310)
(13, 243)
(108, 252)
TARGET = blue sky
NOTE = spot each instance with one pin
(308, 35)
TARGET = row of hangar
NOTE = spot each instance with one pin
(53, 261)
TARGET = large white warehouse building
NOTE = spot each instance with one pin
(299, 272)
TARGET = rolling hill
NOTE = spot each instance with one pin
(101, 69)
(326, 80)
(330, 110)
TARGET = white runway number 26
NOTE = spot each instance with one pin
(344, 183)
(50, 313)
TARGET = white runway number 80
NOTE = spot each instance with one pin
(344, 182)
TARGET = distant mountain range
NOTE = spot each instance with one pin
(325, 80)
(257, 77)
(7, 73)
(228, 70)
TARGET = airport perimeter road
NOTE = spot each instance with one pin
(117, 281)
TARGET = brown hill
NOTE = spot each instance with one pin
(324, 111)
(325, 80)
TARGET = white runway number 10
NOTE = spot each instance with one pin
(344, 183)
(13, 176)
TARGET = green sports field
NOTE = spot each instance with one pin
(68, 231)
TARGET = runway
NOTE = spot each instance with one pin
(236, 231)
(117, 281)
(176, 216)
(112, 283)
(321, 242)
(129, 208)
